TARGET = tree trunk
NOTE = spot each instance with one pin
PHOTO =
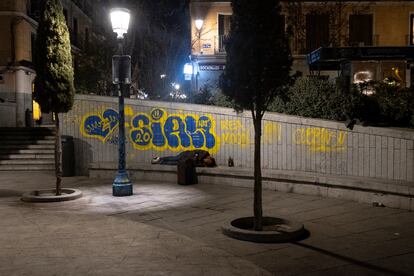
(257, 205)
(58, 157)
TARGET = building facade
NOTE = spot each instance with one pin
(311, 25)
(18, 24)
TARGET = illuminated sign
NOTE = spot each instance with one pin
(188, 69)
(212, 67)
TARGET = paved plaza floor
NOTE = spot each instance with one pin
(167, 229)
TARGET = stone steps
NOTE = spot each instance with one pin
(19, 167)
(21, 137)
(40, 151)
(28, 142)
(27, 149)
(25, 156)
(27, 162)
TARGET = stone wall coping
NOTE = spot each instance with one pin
(376, 185)
(401, 133)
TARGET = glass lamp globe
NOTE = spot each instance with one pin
(199, 24)
(120, 21)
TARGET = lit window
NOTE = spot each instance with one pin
(364, 74)
(393, 73)
(36, 111)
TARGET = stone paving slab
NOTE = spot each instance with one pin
(167, 229)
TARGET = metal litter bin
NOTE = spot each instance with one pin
(186, 172)
(68, 156)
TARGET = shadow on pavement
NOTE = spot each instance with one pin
(351, 260)
(9, 193)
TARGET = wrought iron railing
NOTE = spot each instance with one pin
(219, 44)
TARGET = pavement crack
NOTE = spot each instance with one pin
(117, 213)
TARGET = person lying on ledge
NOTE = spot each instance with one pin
(201, 158)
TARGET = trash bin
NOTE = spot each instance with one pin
(186, 172)
(68, 156)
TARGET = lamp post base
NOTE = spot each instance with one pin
(122, 186)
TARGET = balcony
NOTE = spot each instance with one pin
(219, 44)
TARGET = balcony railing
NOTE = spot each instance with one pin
(298, 46)
(219, 44)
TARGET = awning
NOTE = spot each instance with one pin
(329, 58)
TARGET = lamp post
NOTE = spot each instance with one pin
(121, 77)
(199, 25)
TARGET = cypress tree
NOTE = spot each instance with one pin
(258, 63)
(54, 89)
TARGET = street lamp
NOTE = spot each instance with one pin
(121, 76)
(120, 21)
(199, 25)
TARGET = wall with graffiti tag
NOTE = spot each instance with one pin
(160, 131)
(288, 142)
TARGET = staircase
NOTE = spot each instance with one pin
(27, 149)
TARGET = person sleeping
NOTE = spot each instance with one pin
(201, 158)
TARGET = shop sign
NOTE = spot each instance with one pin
(212, 67)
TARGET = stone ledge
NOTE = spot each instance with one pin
(391, 193)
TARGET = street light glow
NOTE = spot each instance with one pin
(188, 69)
(120, 21)
(199, 24)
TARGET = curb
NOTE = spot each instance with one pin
(49, 195)
(286, 230)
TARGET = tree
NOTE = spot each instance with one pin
(54, 89)
(258, 63)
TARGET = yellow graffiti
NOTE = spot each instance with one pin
(128, 111)
(100, 124)
(231, 125)
(234, 133)
(236, 138)
(272, 132)
(320, 139)
(179, 131)
(176, 132)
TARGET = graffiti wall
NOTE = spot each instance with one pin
(289, 143)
